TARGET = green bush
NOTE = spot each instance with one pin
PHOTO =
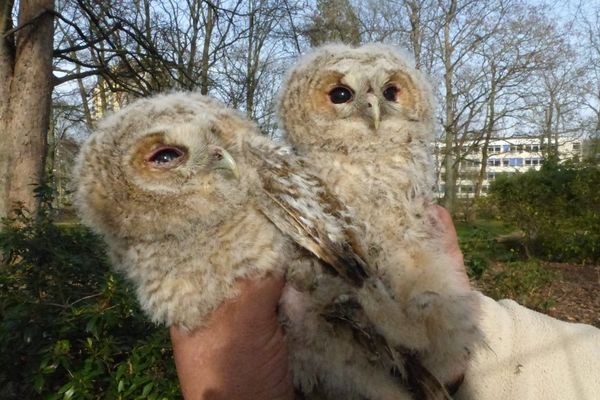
(479, 243)
(69, 328)
(557, 208)
(520, 281)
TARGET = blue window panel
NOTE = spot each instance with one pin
(506, 147)
(515, 162)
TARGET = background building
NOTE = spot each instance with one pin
(508, 156)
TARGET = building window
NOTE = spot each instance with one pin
(535, 161)
(469, 163)
(505, 163)
(491, 176)
(549, 147)
(527, 161)
(515, 162)
(535, 147)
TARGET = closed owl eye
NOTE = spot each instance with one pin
(166, 157)
(340, 94)
(391, 93)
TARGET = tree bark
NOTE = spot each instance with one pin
(488, 131)
(6, 73)
(210, 24)
(26, 76)
(450, 175)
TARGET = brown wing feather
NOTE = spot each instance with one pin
(301, 207)
(402, 364)
(423, 383)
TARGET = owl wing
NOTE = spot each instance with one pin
(301, 206)
(422, 383)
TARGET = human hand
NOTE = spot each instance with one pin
(240, 353)
(443, 220)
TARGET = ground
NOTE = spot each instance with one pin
(571, 293)
(576, 294)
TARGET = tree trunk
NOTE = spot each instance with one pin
(450, 175)
(210, 24)
(6, 73)
(26, 100)
(250, 62)
(416, 34)
(488, 132)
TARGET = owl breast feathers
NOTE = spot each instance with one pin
(189, 198)
(364, 119)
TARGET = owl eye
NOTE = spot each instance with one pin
(166, 157)
(340, 94)
(391, 93)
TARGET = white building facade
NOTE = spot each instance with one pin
(509, 155)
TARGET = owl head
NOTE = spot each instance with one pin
(338, 96)
(161, 168)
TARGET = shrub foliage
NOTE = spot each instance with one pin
(69, 328)
(557, 208)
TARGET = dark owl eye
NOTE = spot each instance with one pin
(340, 94)
(166, 157)
(391, 93)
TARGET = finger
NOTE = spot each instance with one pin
(450, 243)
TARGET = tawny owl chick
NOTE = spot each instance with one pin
(364, 118)
(189, 197)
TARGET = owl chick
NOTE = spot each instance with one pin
(364, 119)
(189, 198)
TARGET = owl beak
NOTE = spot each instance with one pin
(224, 162)
(373, 110)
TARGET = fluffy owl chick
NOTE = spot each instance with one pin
(190, 198)
(364, 119)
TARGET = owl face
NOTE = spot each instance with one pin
(181, 159)
(161, 167)
(340, 95)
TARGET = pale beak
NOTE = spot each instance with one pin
(223, 161)
(373, 109)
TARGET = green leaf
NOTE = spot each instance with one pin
(69, 394)
(147, 389)
(38, 383)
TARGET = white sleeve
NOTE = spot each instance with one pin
(531, 356)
